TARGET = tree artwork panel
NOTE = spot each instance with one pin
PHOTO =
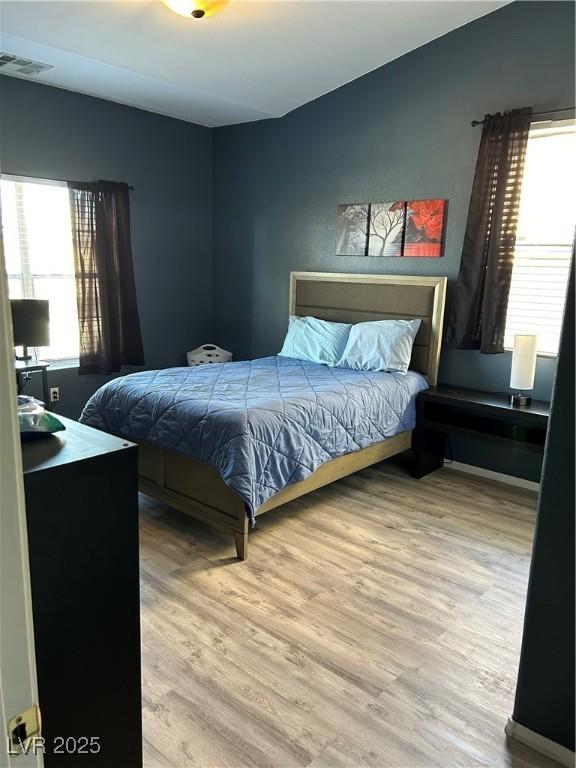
(352, 236)
(403, 229)
(386, 223)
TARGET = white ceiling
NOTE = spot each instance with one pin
(251, 61)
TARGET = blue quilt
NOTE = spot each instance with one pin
(264, 423)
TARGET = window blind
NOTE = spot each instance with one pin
(537, 293)
(37, 237)
(544, 236)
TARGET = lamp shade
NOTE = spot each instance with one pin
(30, 321)
(523, 362)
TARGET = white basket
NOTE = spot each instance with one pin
(208, 353)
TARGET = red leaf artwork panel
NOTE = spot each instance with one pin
(424, 228)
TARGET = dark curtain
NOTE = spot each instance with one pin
(478, 313)
(107, 309)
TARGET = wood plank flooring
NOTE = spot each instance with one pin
(376, 622)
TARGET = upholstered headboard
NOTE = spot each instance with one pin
(353, 298)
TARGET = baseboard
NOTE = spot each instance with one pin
(488, 473)
(540, 743)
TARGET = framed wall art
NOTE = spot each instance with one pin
(401, 229)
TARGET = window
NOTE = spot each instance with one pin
(544, 236)
(38, 253)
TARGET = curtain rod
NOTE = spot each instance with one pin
(474, 123)
(18, 176)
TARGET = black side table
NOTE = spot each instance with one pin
(444, 410)
(24, 367)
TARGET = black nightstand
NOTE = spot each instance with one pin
(444, 410)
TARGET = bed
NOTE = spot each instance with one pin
(229, 442)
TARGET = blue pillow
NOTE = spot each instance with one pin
(382, 345)
(318, 341)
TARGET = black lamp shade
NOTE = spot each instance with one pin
(30, 321)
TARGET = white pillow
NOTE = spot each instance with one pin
(383, 345)
(318, 341)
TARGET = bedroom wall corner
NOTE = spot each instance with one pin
(400, 132)
(47, 132)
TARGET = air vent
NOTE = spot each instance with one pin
(16, 65)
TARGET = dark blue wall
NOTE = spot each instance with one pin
(400, 132)
(545, 691)
(55, 134)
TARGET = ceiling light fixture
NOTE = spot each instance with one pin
(196, 9)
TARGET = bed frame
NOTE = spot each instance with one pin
(197, 488)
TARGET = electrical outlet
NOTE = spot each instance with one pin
(54, 394)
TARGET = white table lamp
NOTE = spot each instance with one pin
(523, 368)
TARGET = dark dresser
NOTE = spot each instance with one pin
(82, 513)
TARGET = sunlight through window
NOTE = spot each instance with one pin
(38, 252)
(544, 236)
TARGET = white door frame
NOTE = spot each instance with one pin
(18, 685)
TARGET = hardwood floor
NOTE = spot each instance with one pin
(377, 622)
